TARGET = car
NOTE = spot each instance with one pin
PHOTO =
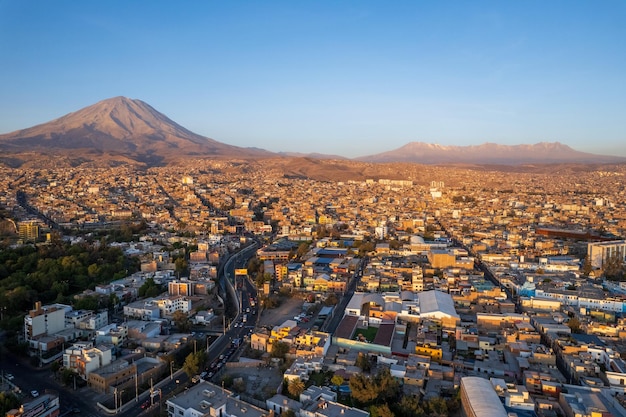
(10, 377)
(34, 393)
(146, 404)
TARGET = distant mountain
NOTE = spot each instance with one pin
(313, 155)
(489, 153)
(119, 129)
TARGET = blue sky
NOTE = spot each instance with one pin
(350, 78)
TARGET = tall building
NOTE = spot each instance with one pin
(44, 320)
(599, 252)
(28, 230)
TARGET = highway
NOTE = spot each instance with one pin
(221, 345)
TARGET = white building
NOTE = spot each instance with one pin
(599, 252)
(84, 358)
(45, 320)
(143, 310)
(206, 399)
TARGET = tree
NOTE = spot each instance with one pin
(337, 380)
(366, 247)
(363, 389)
(388, 387)
(410, 406)
(363, 362)
(380, 411)
(587, 268)
(331, 300)
(613, 268)
(295, 388)
(54, 367)
(574, 325)
(182, 321)
(239, 385)
(181, 265)
(437, 407)
(67, 376)
(8, 401)
(302, 250)
(279, 350)
(191, 365)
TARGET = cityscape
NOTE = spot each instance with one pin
(313, 209)
(257, 293)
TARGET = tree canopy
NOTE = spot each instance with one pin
(55, 271)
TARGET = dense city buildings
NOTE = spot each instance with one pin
(495, 292)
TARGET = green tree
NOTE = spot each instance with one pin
(366, 247)
(279, 350)
(295, 388)
(192, 364)
(437, 407)
(363, 362)
(380, 411)
(239, 385)
(331, 300)
(8, 401)
(388, 386)
(574, 324)
(410, 406)
(363, 389)
(54, 367)
(586, 268)
(302, 249)
(613, 267)
(181, 265)
(67, 376)
(182, 321)
(90, 302)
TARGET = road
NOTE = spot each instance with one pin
(222, 344)
(331, 325)
(28, 378)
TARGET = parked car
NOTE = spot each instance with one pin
(34, 393)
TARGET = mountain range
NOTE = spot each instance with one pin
(490, 153)
(120, 130)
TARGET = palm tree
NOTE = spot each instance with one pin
(295, 388)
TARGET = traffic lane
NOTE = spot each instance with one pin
(28, 379)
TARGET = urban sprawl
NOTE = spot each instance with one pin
(480, 292)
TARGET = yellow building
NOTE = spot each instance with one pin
(434, 352)
(28, 231)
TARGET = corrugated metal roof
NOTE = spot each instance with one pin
(483, 399)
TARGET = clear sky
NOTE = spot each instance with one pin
(350, 78)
